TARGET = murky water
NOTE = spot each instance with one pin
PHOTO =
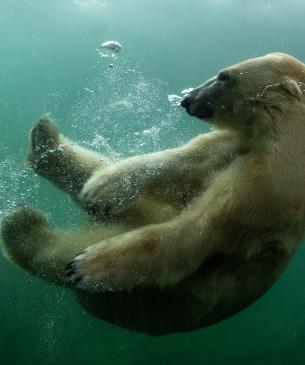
(119, 104)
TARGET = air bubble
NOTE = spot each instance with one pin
(109, 49)
(89, 90)
(112, 46)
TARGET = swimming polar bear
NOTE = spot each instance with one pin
(185, 237)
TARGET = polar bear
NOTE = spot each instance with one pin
(182, 238)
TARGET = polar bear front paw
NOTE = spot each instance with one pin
(118, 264)
(108, 194)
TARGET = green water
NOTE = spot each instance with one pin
(49, 63)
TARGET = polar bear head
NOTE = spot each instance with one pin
(252, 93)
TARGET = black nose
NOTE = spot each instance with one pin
(186, 103)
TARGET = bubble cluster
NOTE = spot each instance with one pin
(175, 100)
(17, 184)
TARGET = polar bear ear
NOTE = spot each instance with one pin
(293, 88)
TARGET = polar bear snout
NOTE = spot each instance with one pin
(186, 102)
(200, 101)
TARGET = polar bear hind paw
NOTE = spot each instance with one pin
(19, 224)
(44, 143)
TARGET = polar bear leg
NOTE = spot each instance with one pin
(30, 242)
(60, 160)
(156, 255)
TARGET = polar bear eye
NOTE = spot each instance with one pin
(224, 76)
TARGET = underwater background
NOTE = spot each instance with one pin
(50, 62)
